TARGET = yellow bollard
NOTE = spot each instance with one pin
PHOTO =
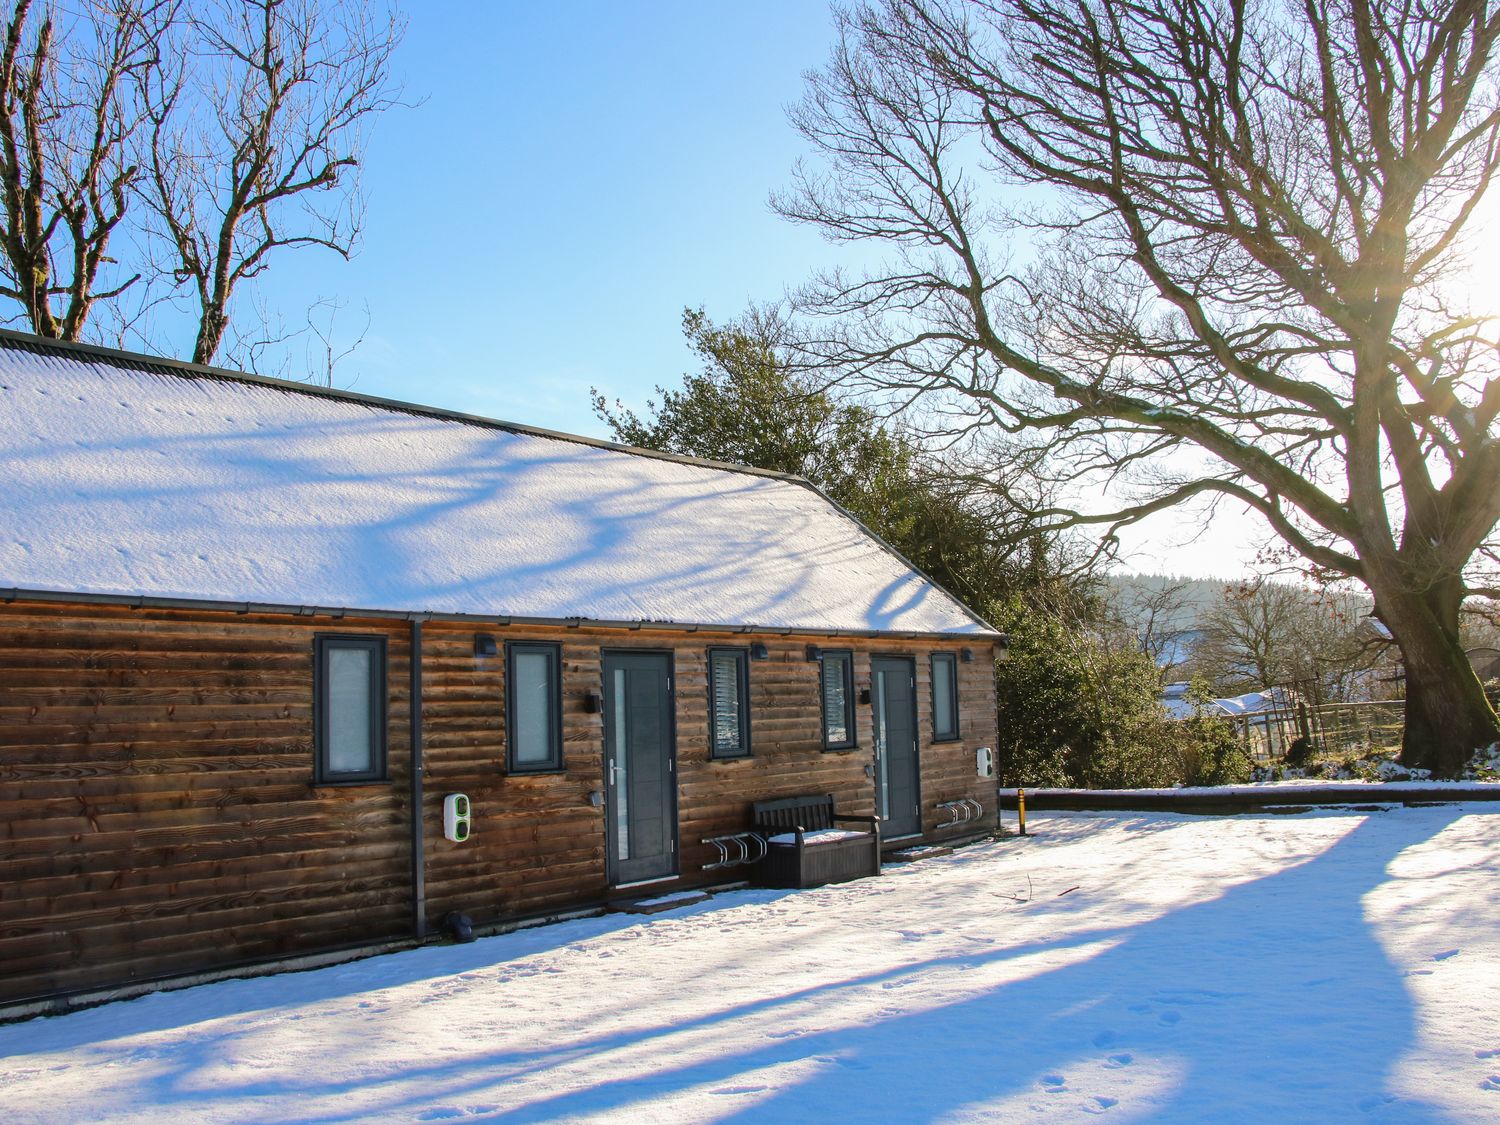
(1021, 809)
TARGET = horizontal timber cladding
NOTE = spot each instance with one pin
(160, 816)
(159, 811)
(538, 839)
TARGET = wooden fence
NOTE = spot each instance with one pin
(1348, 728)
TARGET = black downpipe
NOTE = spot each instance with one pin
(418, 838)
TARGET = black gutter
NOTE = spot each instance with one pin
(418, 834)
(144, 601)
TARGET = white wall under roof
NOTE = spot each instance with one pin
(120, 481)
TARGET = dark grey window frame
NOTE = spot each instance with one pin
(951, 659)
(742, 675)
(847, 656)
(554, 762)
(375, 644)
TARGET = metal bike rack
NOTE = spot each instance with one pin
(959, 812)
(748, 847)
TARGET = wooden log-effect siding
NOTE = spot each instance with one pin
(160, 816)
(538, 842)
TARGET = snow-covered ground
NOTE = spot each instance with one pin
(1319, 967)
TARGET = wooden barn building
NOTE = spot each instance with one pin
(254, 634)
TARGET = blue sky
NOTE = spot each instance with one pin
(572, 177)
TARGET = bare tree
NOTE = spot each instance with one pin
(1155, 617)
(257, 130)
(209, 134)
(1263, 633)
(1184, 252)
(71, 104)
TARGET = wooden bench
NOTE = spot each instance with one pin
(807, 847)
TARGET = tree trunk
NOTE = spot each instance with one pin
(1447, 714)
(1447, 718)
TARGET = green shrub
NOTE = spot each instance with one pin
(1075, 713)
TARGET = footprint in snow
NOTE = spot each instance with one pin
(1105, 1038)
(1491, 1083)
(739, 1090)
(1101, 1103)
(1170, 1018)
(1447, 953)
(1114, 1062)
(1491, 1054)
(1054, 1083)
(440, 1113)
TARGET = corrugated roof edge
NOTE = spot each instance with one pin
(161, 365)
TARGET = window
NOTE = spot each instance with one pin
(348, 709)
(838, 700)
(728, 703)
(533, 708)
(944, 696)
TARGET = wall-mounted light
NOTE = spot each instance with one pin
(759, 651)
(1002, 648)
(864, 695)
(484, 645)
(966, 655)
(593, 702)
(814, 653)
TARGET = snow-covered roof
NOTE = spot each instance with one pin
(1178, 706)
(132, 477)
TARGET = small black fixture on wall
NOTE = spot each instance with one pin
(814, 653)
(484, 645)
(759, 651)
(966, 655)
(864, 695)
(593, 702)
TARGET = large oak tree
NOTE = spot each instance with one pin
(1190, 250)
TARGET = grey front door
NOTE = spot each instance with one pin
(639, 767)
(893, 696)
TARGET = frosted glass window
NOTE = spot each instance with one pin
(349, 708)
(621, 770)
(729, 723)
(838, 702)
(533, 692)
(350, 748)
(944, 695)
